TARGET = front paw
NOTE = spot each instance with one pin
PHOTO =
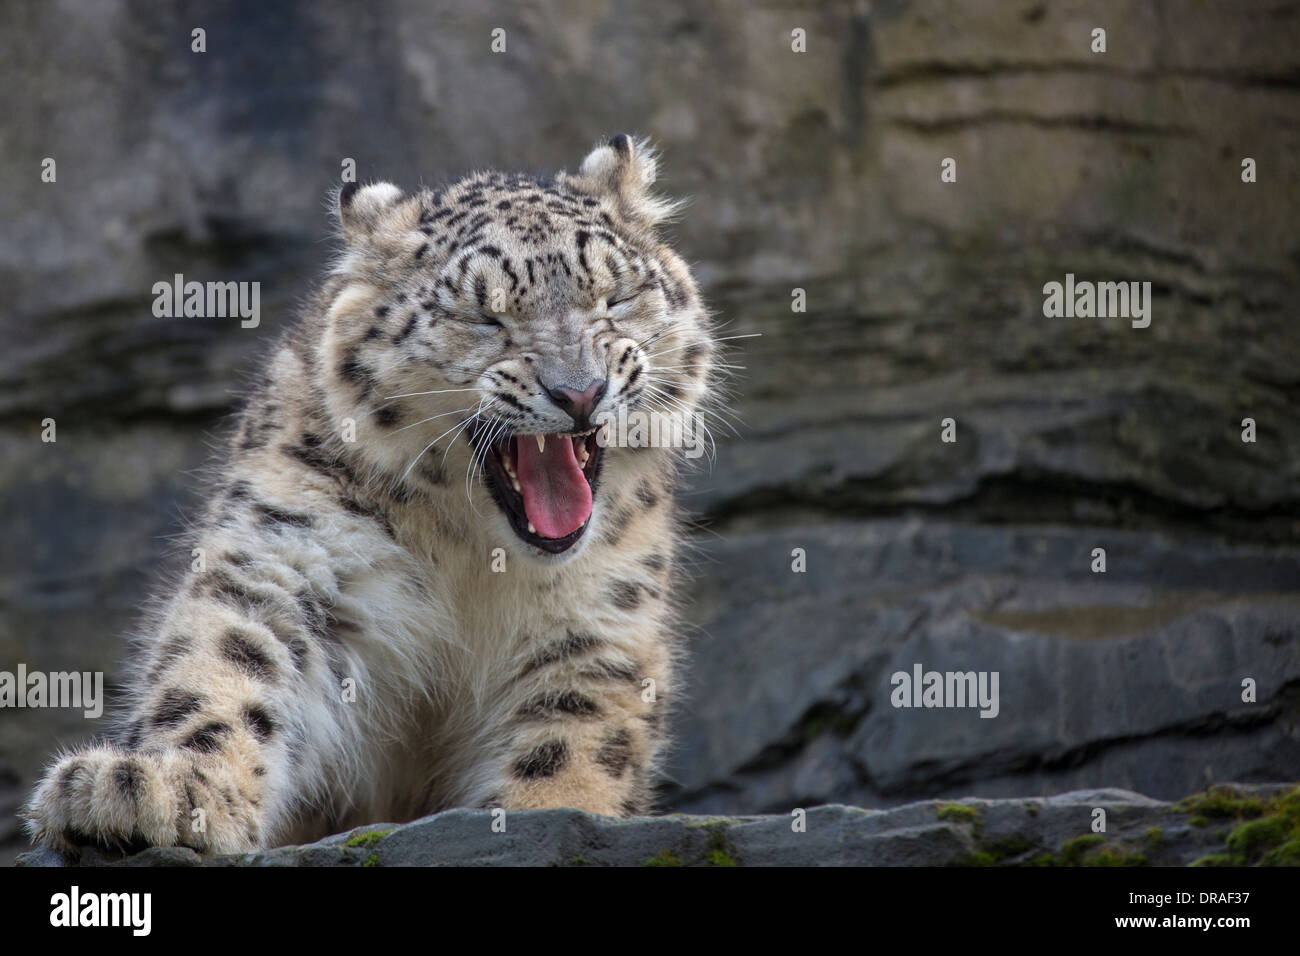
(105, 797)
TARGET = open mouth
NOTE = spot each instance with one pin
(544, 484)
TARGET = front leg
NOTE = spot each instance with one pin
(215, 755)
(585, 730)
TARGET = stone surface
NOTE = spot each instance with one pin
(1132, 677)
(814, 171)
(1037, 831)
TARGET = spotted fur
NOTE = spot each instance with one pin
(349, 653)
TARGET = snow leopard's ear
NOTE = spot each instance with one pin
(626, 169)
(360, 209)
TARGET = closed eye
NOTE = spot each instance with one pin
(611, 302)
(486, 320)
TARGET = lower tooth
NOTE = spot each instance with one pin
(515, 481)
(531, 529)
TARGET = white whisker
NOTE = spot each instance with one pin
(436, 391)
(725, 338)
(430, 418)
(430, 445)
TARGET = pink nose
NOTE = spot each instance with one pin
(578, 404)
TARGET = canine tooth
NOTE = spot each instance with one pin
(515, 481)
(531, 529)
(541, 443)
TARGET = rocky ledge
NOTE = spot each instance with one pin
(1224, 826)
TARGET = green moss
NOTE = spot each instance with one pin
(1266, 831)
(371, 860)
(1114, 855)
(999, 851)
(1255, 836)
(1220, 803)
(368, 839)
(1075, 852)
(719, 852)
(664, 858)
(1072, 851)
(958, 813)
(1288, 854)
(1274, 836)
(1011, 846)
(578, 861)
(1155, 837)
(1032, 809)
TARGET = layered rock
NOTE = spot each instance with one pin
(817, 172)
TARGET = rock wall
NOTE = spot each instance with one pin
(816, 171)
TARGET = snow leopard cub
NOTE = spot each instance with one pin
(427, 580)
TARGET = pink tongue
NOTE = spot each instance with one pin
(557, 498)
